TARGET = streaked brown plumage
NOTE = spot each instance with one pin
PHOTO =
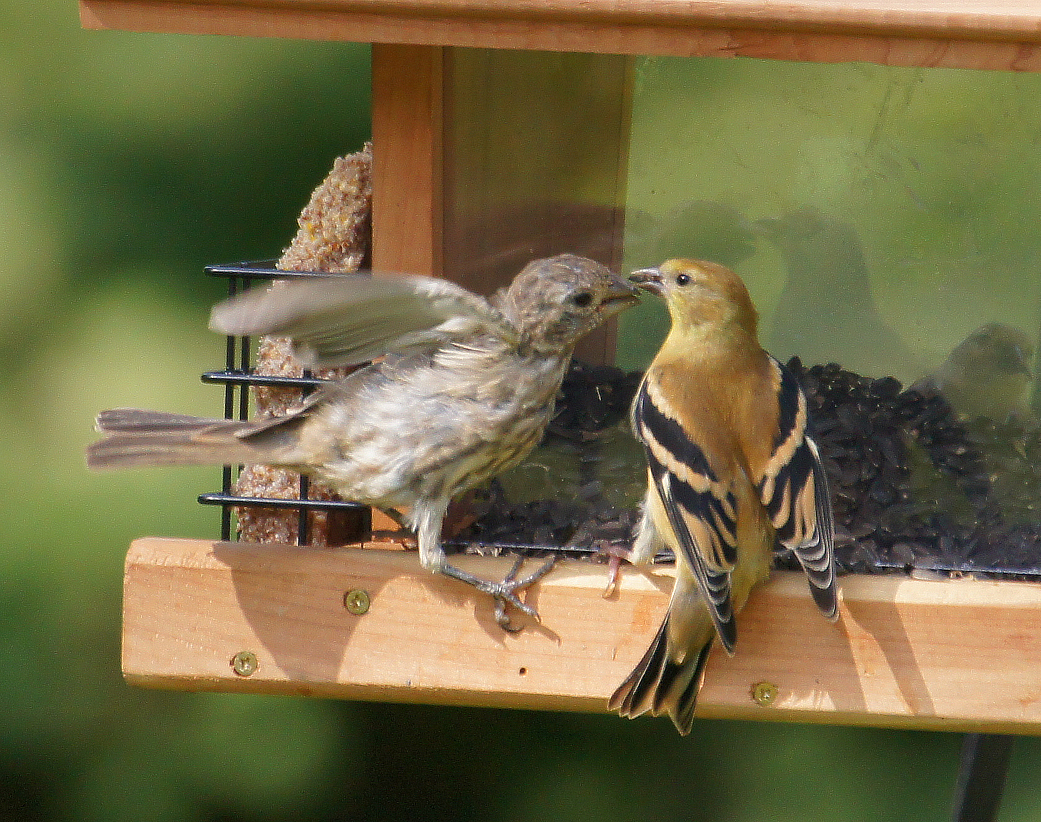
(465, 389)
(731, 471)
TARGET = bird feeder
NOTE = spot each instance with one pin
(510, 129)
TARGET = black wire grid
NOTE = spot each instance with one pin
(237, 378)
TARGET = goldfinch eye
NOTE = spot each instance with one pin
(583, 299)
(682, 279)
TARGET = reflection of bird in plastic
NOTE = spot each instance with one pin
(987, 374)
(703, 229)
(826, 312)
(984, 381)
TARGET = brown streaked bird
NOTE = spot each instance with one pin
(464, 391)
(732, 471)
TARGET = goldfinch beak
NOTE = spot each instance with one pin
(649, 279)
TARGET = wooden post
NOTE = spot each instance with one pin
(483, 162)
(407, 159)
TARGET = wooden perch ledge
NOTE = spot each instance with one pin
(951, 655)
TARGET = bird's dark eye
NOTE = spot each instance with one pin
(682, 279)
(583, 299)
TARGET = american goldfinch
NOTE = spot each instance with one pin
(465, 390)
(731, 471)
(986, 374)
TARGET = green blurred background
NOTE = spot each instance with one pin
(127, 163)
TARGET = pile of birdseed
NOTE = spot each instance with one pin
(914, 488)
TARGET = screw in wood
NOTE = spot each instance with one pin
(764, 693)
(356, 601)
(245, 663)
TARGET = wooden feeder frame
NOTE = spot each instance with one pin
(365, 622)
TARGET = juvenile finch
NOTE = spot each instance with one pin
(731, 471)
(465, 390)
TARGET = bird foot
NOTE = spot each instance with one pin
(505, 592)
(615, 554)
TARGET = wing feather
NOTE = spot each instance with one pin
(355, 318)
(701, 510)
(794, 489)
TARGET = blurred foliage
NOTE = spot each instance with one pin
(128, 162)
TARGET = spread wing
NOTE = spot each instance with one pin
(352, 319)
(794, 489)
(700, 508)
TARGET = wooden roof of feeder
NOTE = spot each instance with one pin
(996, 35)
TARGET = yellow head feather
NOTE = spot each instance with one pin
(699, 293)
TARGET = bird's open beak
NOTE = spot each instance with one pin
(621, 294)
(649, 279)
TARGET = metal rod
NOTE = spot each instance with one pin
(302, 534)
(274, 502)
(981, 777)
(229, 407)
(239, 377)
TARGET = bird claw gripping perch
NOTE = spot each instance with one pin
(505, 592)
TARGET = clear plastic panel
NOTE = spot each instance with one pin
(886, 222)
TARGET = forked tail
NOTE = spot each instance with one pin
(659, 685)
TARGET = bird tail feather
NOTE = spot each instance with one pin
(137, 438)
(660, 685)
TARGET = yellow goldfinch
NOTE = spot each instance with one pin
(465, 389)
(731, 471)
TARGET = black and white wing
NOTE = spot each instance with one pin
(700, 508)
(794, 488)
